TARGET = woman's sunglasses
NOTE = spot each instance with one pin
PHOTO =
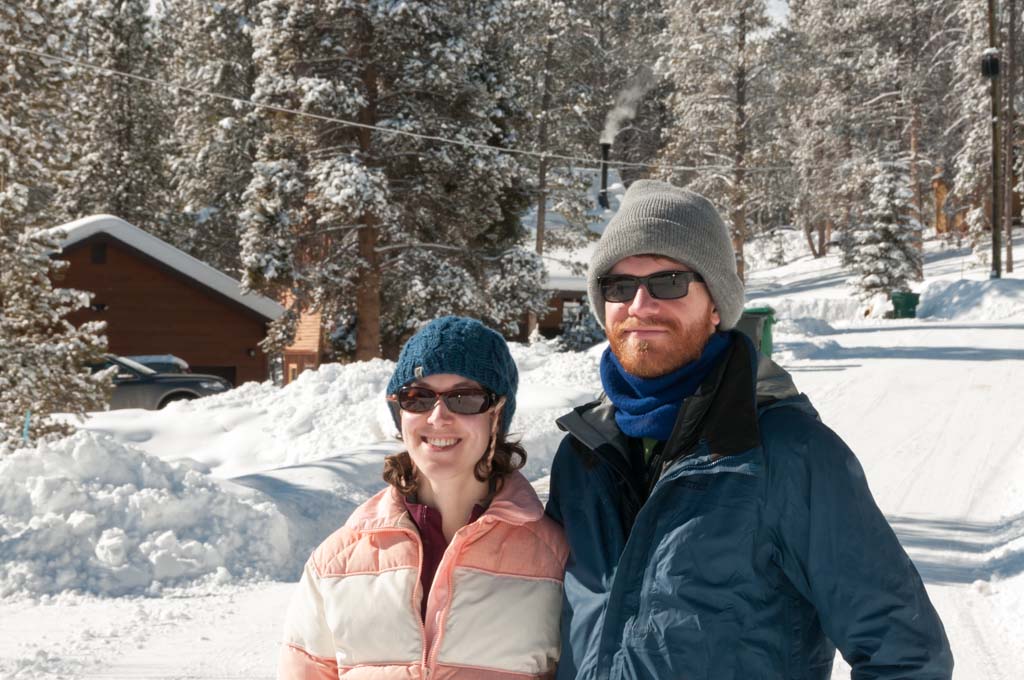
(465, 401)
(661, 285)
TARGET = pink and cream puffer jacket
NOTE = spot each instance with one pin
(492, 614)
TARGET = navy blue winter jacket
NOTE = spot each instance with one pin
(755, 552)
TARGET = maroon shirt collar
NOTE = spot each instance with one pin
(428, 518)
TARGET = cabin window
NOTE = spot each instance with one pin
(99, 253)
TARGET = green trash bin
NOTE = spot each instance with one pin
(904, 304)
(757, 323)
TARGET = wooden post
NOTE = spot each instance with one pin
(940, 190)
(915, 184)
(542, 172)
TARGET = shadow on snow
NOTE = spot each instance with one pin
(316, 497)
(809, 350)
(768, 289)
(958, 551)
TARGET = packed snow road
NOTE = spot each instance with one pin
(934, 412)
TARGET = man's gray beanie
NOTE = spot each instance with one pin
(656, 218)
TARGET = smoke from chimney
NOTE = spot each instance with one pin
(626, 104)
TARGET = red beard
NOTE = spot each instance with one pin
(672, 350)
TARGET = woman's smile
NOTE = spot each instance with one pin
(442, 443)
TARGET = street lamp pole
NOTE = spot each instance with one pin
(990, 69)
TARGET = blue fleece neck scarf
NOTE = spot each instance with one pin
(647, 407)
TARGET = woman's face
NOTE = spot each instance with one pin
(446, 446)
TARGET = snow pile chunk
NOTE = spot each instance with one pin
(968, 300)
(804, 325)
(828, 310)
(88, 514)
(984, 587)
(782, 245)
(44, 664)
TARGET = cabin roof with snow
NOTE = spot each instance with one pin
(168, 255)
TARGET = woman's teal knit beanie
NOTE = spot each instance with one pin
(462, 346)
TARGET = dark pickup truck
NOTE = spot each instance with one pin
(137, 386)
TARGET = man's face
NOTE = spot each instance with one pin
(653, 337)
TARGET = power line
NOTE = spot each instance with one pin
(378, 128)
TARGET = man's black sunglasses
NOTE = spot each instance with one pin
(661, 285)
(465, 401)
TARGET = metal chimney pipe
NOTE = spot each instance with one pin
(602, 197)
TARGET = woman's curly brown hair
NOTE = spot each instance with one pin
(508, 457)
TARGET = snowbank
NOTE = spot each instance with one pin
(551, 383)
(261, 426)
(86, 513)
(972, 300)
(827, 310)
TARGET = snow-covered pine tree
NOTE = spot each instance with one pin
(118, 139)
(714, 55)
(826, 151)
(215, 139)
(580, 329)
(778, 255)
(972, 187)
(771, 189)
(364, 224)
(881, 85)
(903, 49)
(41, 354)
(886, 256)
(32, 137)
(556, 66)
(43, 357)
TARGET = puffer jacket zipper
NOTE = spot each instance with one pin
(416, 608)
(455, 546)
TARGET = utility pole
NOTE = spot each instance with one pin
(1009, 128)
(990, 69)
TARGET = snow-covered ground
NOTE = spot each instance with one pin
(164, 544)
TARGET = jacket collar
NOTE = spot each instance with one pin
(593, 425)
(723, 412)
(515, 503)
